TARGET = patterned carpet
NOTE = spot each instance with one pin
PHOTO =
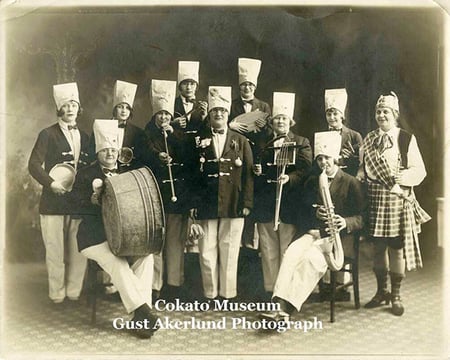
(33, 327)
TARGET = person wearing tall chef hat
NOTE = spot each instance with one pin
(131, 276)
(351, 140)
(60, 150)
(247, 102)
(131, 137)
(392, 165)
(171, 153)
(269, 177)
(190, 112)
(224, 191)
(304, 261)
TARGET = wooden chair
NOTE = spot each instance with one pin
(95, 287)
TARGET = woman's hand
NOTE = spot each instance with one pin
(57, 188)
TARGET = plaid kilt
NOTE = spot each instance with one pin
(385, 212)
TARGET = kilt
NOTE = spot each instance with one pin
(385, 212)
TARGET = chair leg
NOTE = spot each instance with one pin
(355, 276)
(333, 294)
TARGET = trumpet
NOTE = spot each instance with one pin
(169, 168)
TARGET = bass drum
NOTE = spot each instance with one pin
(133, 213)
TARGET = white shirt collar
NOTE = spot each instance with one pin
(63, 125)
(185, 101)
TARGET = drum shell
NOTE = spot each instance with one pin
(133, 213)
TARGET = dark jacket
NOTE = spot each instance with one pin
(351, 140)
(223, 186)
(182, 153)
(194, 124)
(237, 107)
(265, 185)
(52, 148)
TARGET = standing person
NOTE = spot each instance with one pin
(190, 113)
(351, 140)
(392, 166)
(171, 164)
(305, 260)
(268, 180)
(131, 137)
(225, 191)
(132, 276)
(61, 143)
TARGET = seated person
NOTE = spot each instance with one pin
(134, 282)
(305, 260)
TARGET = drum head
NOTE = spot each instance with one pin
(65, 174)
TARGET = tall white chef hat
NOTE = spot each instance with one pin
(124, 92)
(163, 95)
(283, 104)
(63, 93)
(327, 143)
(219, 96)
(188, 70)
(337, 99)
(249, 70)
(106, 133)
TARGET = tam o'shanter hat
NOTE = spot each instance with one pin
(249, 70)
(188, 70)
(163, 96)
(124, 92)
(336, 98)
(390, 101)
(327, 143)
(106, 133)
(219, 97)
(63, 93)
(283, 104)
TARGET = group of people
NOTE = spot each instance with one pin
(233, 167)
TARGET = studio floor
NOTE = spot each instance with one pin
(34, 328)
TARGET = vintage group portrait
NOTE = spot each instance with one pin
(224, 180)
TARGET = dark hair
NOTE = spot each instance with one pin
(186, 80)
(60, 112)
(114, 113)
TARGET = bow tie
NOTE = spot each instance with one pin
(247, 101)
(122, 124)
(334, 129)
(72, 127)
(218, 131)
(110, 171)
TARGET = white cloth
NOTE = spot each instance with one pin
(302, 267)
(66, 267)
(219, 142)
(73, 138)
(273, 244)
(219, 252)
(415, 173)
(158, 271)
(134, 282)
(176, 234)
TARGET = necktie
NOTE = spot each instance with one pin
(72, 127)
(110, 172)
(122, 124)
(218, 131)
(384, 142)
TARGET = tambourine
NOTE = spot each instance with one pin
(125, 155)
(64, 174)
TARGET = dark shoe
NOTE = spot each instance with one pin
(276, 316)
(143, 315)
(397, 306)
(378, 300)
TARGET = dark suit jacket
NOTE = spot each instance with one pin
(134, 138)
(91, 231)
(349, 201)
(182, 153)
(265, 192)
(237, 107)
(224, 196)
(51, 148)
(351, 140)
(194, 124)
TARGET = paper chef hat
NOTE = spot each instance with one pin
(188, 70)
(336, 98)
(327, 143)
(219, 96)
(249, 70)
(124, 92)
(63, 93)
(163, 96)
(106, 133)
(390, 101)
(283, 104)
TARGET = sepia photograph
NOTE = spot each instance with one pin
(230, 180)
